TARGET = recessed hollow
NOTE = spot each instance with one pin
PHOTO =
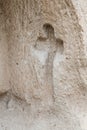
(60, 45)
(48, 29)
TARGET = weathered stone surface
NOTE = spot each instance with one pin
(43, 65)
(4, 68)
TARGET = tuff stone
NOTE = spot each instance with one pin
(43, 75)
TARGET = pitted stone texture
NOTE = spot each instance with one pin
(36, 54)
(4, 68)
(43, 48)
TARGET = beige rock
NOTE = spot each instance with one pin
(4, 68)
(43, 65)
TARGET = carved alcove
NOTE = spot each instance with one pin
(46, 47)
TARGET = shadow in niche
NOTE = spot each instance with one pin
(49, 30)
(60, 46)
(50, 34)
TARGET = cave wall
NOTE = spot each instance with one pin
(43, 57)
(4, 65)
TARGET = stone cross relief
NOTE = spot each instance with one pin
(45, 50)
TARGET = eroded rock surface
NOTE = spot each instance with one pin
(43, 65)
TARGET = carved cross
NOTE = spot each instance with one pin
(51, 45)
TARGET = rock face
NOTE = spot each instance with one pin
(43, 65)
(4, 68)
